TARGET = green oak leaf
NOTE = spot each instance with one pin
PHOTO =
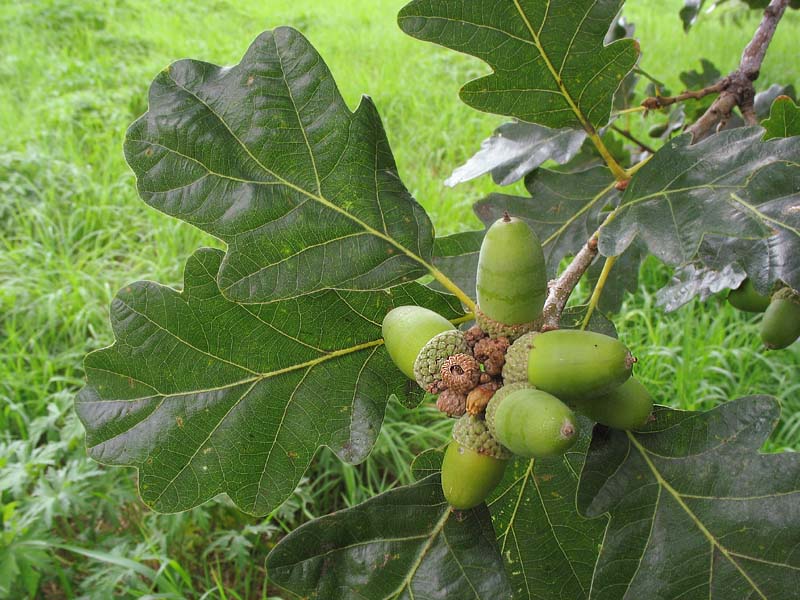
(717, 187)
(207, 396)
(266, 156)
(405, 543)
(536, 501)
(696, 511)
(784, 119)
(564, 209)
(698, 280)
(551, 66)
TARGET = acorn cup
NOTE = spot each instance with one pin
(511, 284)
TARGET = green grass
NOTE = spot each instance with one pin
(72, 231)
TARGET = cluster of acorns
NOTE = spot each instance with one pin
(512, 387)
(780, 325)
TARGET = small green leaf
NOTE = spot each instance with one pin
(550, 63)
(406, 543)
(266, 156)
(206, 396)
(696, 511)
(784, 119)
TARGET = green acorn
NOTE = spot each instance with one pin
(625, 407)
(498, 397)
(516, 367)
(535, 424)
(571, 364)
(429, 361)
(473, 464)
(746, 298)
(406, 330)
(511, 281)
(780, 326)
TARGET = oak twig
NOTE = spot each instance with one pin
(561, 288)
(738, 89)
(656, 102)
(627, 134)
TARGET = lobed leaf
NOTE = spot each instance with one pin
(696, 511)
(266, 156)
(551, 66)
(405, 543)
(721, 186)
(207, 396)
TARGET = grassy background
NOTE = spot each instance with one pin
(72, 231)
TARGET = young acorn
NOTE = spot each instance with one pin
(473, 464)
(625, 407)
(531, 423)
(569, 363)
(411, 332)
(780, 326)
(746, 298)
(511, 283)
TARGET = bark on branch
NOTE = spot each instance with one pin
(561, 288)
(737, 89)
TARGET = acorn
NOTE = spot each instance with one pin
(780, 326)
(406, 330)
(746, 298)
(571, 364)
(498, 397)
(535, 424)
(511, 283)
(628, 406)
(473, 464)
(429, 361)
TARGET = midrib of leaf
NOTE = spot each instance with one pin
(619, 172)
(750, 208)
(441, 277)
(577, 215)
(406, 583)
(679, 499)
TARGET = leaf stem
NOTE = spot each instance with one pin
(616, 169)
(450, 286)
(625, 111)
(598, 289)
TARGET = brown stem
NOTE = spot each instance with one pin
(738, 89)
(561, 288)
(627, 134)
(656, 102)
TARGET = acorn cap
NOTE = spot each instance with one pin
(516, 368)
(497, 329)
(491, 408)
(428, 365)
(472, 432)
(460, 373)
